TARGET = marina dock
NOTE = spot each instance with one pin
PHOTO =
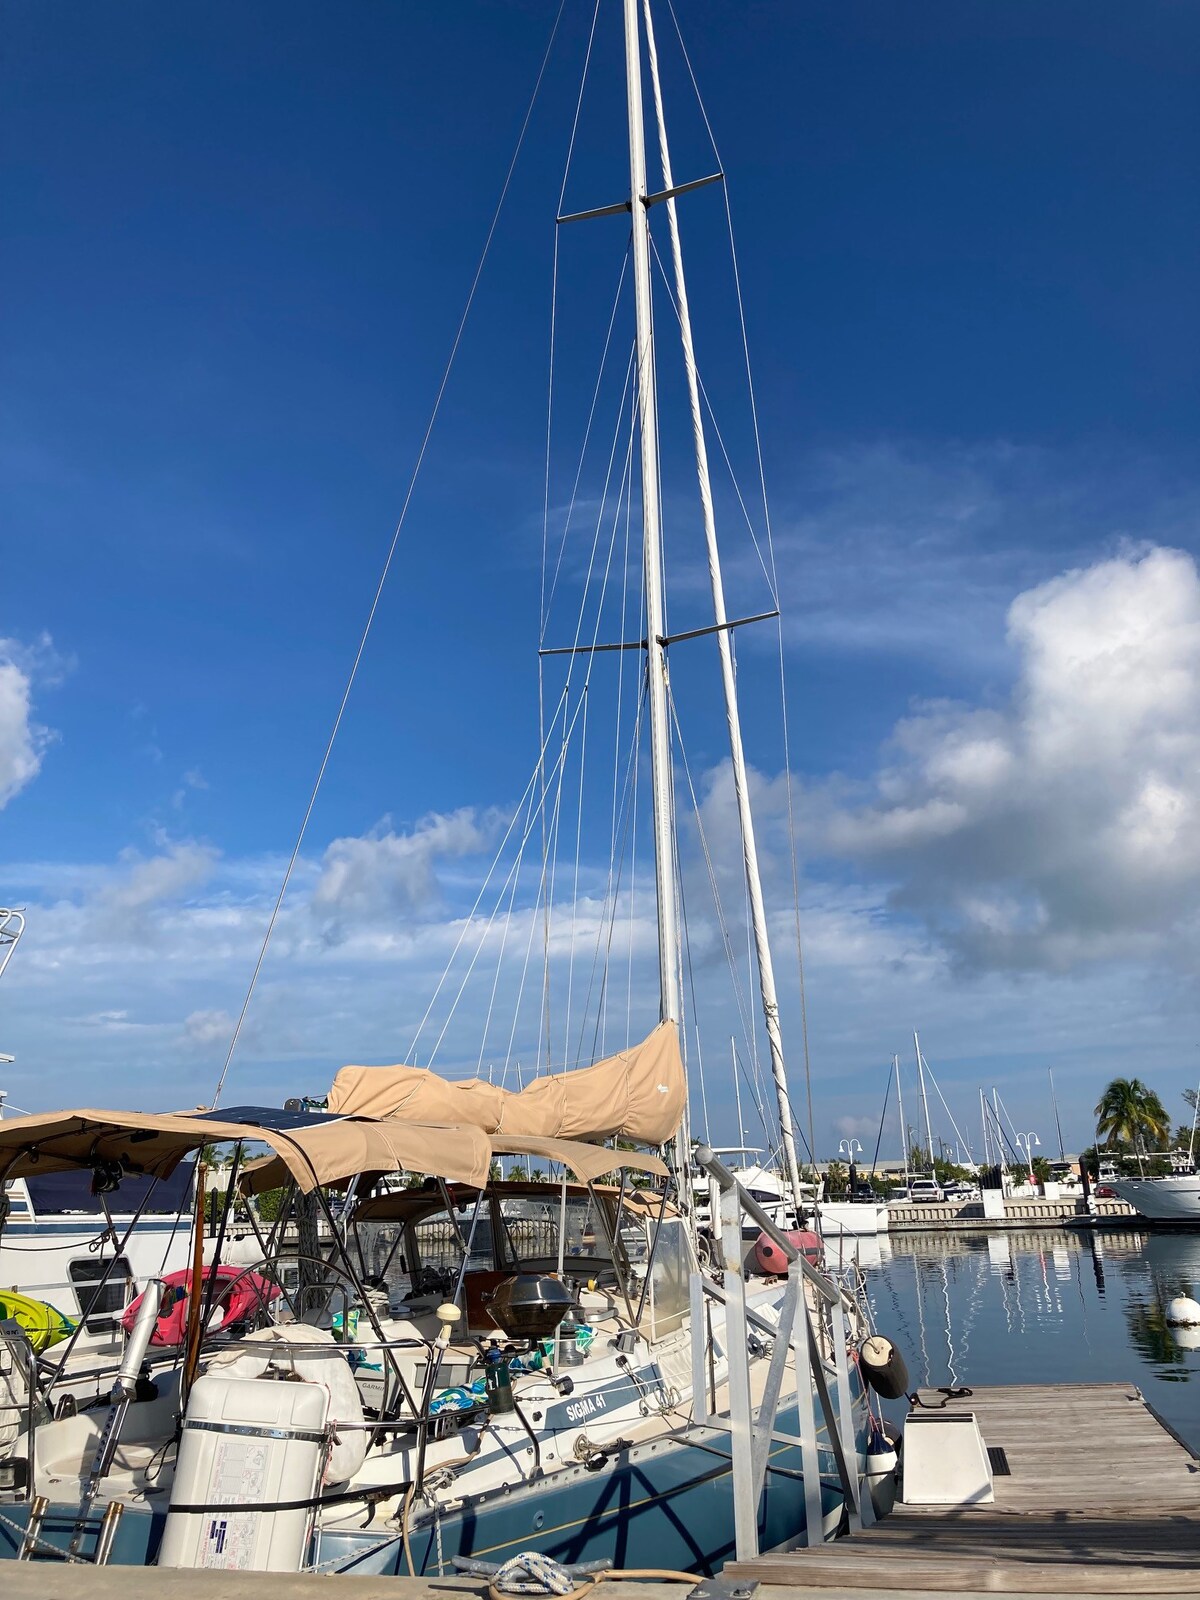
(1100, 1497)
(965, 1216)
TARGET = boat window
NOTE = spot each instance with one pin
(531, 1228)
(69, 1193)
(379, 1247)
(100, 1306)
(670, 1276)
(440, 1239)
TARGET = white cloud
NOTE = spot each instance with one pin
(23, 742)
(205, 1028)
(855, 1127)
(144, 882)
(395, 874)
(1061, 827)
(888, 549)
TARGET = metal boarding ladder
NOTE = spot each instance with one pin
(794, 1337)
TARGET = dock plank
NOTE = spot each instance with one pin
(1103, 1498)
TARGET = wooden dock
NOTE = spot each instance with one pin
(1102, 1498)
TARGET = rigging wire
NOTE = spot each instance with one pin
(602, 1012)
(612, 895)
(387, 565)
(619, 790)
(710, 867)
(469, 919)
(554, 320)
(551, 845)
(546, 487)
(515, 878)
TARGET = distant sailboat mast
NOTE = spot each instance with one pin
(924, 1099)
(1062, 1154)
(904, 1149)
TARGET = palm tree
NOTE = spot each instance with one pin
(836, 1180)
(1128, 1110)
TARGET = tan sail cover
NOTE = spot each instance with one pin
(637, 1094)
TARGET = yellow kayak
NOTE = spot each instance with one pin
(44, 1324)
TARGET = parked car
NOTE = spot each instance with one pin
(926, 1191)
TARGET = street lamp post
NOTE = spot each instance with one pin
(850, 1146)
(1028, 1139)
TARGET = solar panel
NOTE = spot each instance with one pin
(277, 1120)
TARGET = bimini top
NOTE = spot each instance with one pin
(637, 1094)
(587, 1161)
(311, 1146)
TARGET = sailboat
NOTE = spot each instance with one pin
(489, 1366)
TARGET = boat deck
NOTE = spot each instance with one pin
(1101, 1498)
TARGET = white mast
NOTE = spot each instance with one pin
(987, 1142)
(758, 915)
(924, 1099)
(903, 1125)
(1062, 1154)
(737, 1091)
(656, 656)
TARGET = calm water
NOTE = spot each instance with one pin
(1043, 1308)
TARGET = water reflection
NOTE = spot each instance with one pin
(1043, 1307)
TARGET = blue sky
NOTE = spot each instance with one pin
(237, 244)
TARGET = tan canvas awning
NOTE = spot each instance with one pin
(153, 1143)
(313, 1153)
(346, 1146)
(637, 1094)
(339, 1159)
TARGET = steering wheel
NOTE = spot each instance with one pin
(264, 1285)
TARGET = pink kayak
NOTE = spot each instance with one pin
(252, 1293)
(769, 1258)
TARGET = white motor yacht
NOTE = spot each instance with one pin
(1175, 1198)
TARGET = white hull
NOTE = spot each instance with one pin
(855, 1218)
(1173, 1199)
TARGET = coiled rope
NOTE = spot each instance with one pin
(531, 1573)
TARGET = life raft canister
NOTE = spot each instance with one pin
(882, 1365)
(769, 1258)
